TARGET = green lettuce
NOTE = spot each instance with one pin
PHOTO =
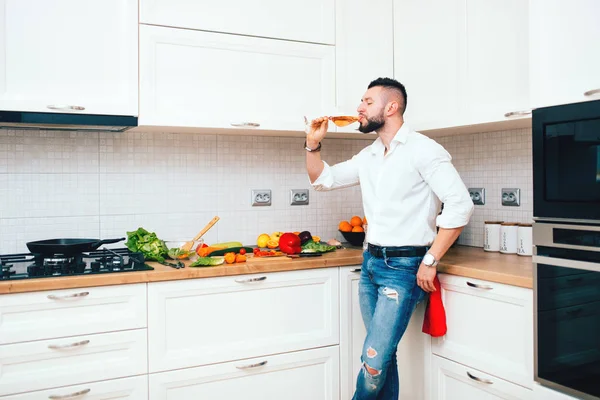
(148, 244)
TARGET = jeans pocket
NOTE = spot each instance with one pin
(408, 264)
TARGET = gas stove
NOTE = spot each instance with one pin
(28, 266)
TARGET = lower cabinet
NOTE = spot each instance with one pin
(453, 381)
(310, 374)
(134, 388)
(413, 351)
(543, 393)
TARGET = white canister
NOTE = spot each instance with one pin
(508, 237)
(524, 242)
(491, 235)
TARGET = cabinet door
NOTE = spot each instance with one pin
(564, 51)
(362, 54)
(134, 388)
(490, 327)
(452, 381)
(68, 361)
(310, 374)
(307, 21)
(413, 350)
(209, 80)
(69, 312)
(429, 54)
(60, 53)
(497, 60)
(543, 393)
(204, 321)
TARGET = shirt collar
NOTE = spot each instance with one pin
(400, 137)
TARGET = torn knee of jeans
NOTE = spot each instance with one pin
(371, 371)
(390, 293)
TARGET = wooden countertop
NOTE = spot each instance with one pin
(471, 262)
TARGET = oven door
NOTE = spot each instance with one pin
(566, 265)
(566, 162)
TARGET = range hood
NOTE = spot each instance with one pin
(66, 122)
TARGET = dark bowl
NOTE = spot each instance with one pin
(354, 238)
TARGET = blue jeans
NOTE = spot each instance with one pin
(388, 295)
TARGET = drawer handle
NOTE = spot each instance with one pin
(246, 124)
(592, 92)
(356, 270)
(260, 364)
(67, 346)
(69, 296)
(475, 285)
(260, 278)
(486, 381)
(517, 113)
(65, 107)
(70, 396)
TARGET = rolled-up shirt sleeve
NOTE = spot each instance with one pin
(435, 166)
(338, 176)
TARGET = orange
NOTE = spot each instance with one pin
(364, 220)
(358, 229)
(356, 221)
(345, 226)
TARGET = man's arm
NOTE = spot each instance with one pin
(314, 164)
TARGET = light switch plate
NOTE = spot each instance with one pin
(511, 197)
(261, 197)
(299, 197)
(477, 195)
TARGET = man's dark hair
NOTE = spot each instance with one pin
(393, 84)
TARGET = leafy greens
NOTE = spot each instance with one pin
(148, 244)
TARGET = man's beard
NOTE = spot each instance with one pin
(373, 124)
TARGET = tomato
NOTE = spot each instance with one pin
(242, 251)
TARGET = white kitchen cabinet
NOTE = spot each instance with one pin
(364, 51)
(134, 388)
(307, 21)
(60, 54)
(204, 321)
(543, 393)
(490, 328)
(453, 381)
(565, 61)
(73, 360)
(463, 62)
(413, 351)
(309, 374)
(209, 80)
(69, 312)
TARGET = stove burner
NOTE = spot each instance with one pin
(24, 266)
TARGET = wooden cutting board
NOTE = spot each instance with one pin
(267, 259)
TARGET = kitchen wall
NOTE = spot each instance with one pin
(74, 184)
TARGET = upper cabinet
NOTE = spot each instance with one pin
(200, 79)
(69, 55)
(463, 62)
(306, 21)
(565, 56)
(364, 50)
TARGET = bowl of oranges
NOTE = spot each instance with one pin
(354, 230)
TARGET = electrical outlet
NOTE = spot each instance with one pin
(299, 197)
(477, 195)
(261, 197)
(511, 197)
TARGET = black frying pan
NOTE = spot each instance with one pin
(67, 246)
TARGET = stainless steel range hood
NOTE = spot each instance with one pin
(66, 122)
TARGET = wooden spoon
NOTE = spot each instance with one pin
(188, 245)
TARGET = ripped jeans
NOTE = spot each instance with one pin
(388, 295)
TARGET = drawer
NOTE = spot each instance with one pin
(490, 327)
(134, 388)
(70, 312)
(310, 374)
(52, 363)
(205, 321)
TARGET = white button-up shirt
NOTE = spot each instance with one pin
(402, 190)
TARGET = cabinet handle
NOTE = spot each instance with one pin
(520, 113)
(69, 296)
(69, 396)
(260, 278)
(475, 285)
(356, 270)
(486, 381)
(65, 107)
(67, 346)
(260, 364)
(246, 124)
(592, 92)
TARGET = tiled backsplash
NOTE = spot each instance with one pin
(74, 184)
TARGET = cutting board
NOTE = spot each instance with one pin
(267, 259)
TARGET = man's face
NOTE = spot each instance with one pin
(370, 110)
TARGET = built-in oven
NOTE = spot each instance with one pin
(566, 266)
(566, 162)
